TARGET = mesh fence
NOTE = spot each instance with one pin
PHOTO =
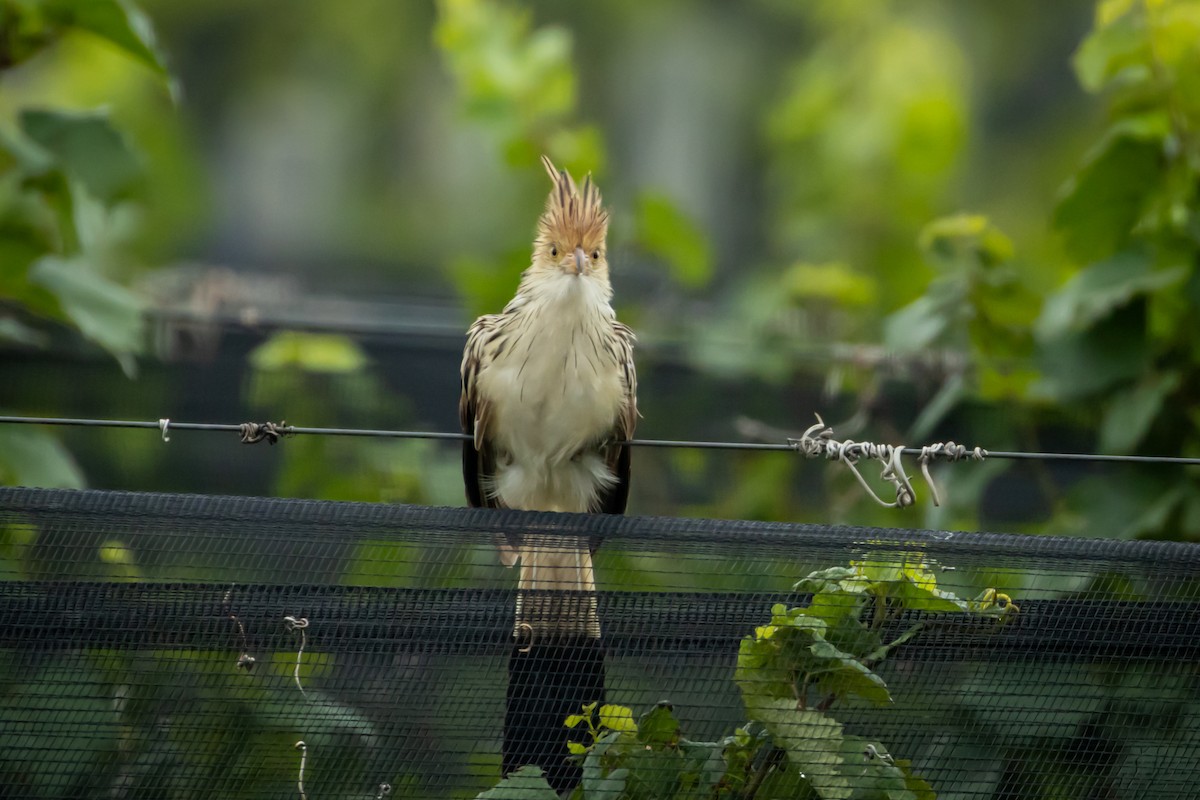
(172, 646)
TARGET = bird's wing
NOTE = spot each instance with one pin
(478, 456)
(614, 499)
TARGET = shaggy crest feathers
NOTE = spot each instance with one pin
(573, 217)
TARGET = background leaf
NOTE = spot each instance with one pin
(88, 147)
(667, 233)
(121, 23)
(105, 312)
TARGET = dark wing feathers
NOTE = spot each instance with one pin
(614, 500)
(478, 457)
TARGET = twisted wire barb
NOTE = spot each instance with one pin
(817, 441)
(298, 624)
(303, 748)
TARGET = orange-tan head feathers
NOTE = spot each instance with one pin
(574, 217)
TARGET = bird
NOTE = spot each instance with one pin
(549, 403)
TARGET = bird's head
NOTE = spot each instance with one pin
(571, 231)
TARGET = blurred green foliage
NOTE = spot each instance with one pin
(70, 189)
(844, 204)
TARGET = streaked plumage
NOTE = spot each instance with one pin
(549, 393)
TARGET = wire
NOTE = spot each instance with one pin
(165, 425)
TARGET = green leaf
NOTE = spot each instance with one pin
(311, 352)
(819, 578)
(1110, 48)
(600, 783)
(704, 765)
(952, 392)
(1096, 291)
(1080, 364)
(573, 720)
(965, 240)
(15, 331)
(34, 458)
(577, 748)
(925, 598)
(920, 787)
(653, 772)
(852, 636)
(72, 706)
(121, 23)
(1104, 200)
(88, 148)
(617, 718)
(917, 325)
(1014, 708)
(831, 606)
(658, 726)
(836, 284)
(105, 312)
(664, 231)
(1131, 412)
(527, 783)
(847, 675)
(812, 740)
(867, 766)
(1142, 507)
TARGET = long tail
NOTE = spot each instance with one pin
(557, 661)
(557, 588)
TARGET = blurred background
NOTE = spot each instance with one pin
(925, 220)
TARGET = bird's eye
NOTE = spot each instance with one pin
(595, 255)
(553, 251)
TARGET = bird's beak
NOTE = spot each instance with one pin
(580, 260)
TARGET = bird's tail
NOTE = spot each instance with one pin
(557, 587)
(557, 661)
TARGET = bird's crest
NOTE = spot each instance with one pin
(573, 216)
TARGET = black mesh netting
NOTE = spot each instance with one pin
(146, 651)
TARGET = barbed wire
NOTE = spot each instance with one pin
(252, 432)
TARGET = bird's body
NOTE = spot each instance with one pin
(549, 391)
(549, 397)
(554, 393)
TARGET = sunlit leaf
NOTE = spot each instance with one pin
(617, 718)
(312, 352)
(121, 23)
(965, 239)
(836, 284)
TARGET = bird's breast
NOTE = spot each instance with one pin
(555, 389)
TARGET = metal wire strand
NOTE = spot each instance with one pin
(288, 430)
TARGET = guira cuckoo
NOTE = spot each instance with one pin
(549, 396)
